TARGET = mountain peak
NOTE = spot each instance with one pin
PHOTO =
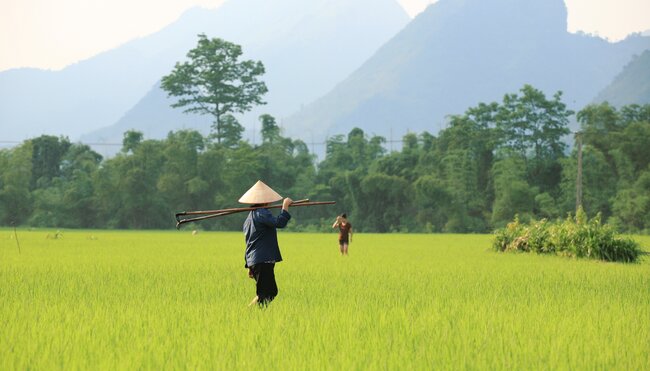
(458, 53)
(521, 15)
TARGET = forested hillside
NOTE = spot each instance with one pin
(492, 161)
(632, 85)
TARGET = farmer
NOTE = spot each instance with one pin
(262, 250)
(345, 232)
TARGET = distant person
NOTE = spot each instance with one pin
(345, 232)
(262, 250)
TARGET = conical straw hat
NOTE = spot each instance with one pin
(260, 193)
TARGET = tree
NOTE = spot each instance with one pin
(532, 126)
(178, 182)
(131, 140)
(632, 205)
(270, 130)
(402, 164)
(215, 82)
(513, 195)
(125, 189)
(47, 153)
(357, 153)
(432, 201)
(15, 176)
(598, 183)
(617, 180)
(230, 133)
(69, 201)
(384, 202)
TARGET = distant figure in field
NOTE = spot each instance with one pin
(345, 232)
(262, 250)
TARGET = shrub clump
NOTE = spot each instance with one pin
(575, 237)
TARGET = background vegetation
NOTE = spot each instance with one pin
(575, 236)
(490, 163)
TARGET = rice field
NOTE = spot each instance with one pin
(173, 300)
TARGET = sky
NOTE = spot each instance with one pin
(51, 34)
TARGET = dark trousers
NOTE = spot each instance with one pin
(264, 276)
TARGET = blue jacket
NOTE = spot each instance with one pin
(261, 236)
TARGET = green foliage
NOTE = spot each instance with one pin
(216, 82)
(631, 206)
(47, 153)
(15, 179)
(533, 127)
(70, 200)
(132, 139)
(599, 183)
(229, 133)
(622, 140)
(575, 237)
(490, 163)
(378, 191)
(513, 195)
(270, 130)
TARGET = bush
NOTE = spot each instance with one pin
(575, 237)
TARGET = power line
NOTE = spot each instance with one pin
(88, 144)
(387, 143)
(120, 144)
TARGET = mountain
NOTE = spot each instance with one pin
(88, 94)
(306, 47)
(631, 86)
(458, 53)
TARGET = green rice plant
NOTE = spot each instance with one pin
(163, 300)
(577, 236)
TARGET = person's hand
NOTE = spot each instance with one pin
(285, 204)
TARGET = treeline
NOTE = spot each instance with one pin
(490, 163)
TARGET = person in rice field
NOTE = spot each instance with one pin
(345, 232)
(260, 232)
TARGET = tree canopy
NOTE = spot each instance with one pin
(214, 81)
(473, 176)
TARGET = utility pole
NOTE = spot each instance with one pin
(579, 173)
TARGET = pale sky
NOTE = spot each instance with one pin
(52, 34)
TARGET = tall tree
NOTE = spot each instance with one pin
(69, 201)
(215, 81)
(533, 127)
(15, 177)
(47, 153)
(178, 182)
(384, 202)
(513, 195)
(270, 130)
(632, 205)
(230, 132)
(131, 140)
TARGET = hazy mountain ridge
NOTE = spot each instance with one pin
(631, 86)
(97, 92)
(305, 56)
(87, 94)
(458, 53)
